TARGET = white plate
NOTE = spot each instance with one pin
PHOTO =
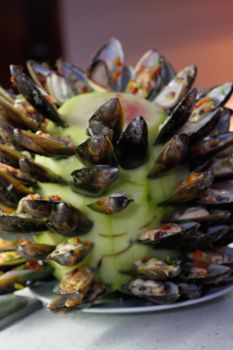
(133, 305)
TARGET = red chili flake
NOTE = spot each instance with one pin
(33, 265)
(50, 99)
(166, 227)
(118, 62)
(84, 89)
(12, 79)
(55, 198)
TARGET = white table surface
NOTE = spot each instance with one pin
(207, 326)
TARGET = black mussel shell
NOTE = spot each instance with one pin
(170, 235)
(36, 207)
(97, 150)
(43, 143)
(211, 274)
(38, 172)
(108, 119)
(177, 118)
(171, 155)
(112, 204)
(9, 156)
(34, 95)
(94, 181)
(68, 220)
(133, 144)
(190, 290)
(17, 224)
(34, 251)
(191, 187)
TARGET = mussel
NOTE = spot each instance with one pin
(34, 251)
(192, 187)
(154, 269)
(43, 143)
(171, 155)
(18, 224)
(156, 292)
(177, 117)
(112, 204)
(35, 95)
(205, 274)
(94, 181)
(169, 235)
(23, 275)
(75, 282)
(68, 220)
(177, 88)
(72, 252)
(97, 150)
(75, 302)
(107, 120)
(106, 67)
(38, 171)
(132, 146)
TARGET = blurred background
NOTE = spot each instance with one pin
(198, 31)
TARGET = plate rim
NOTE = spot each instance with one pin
(225, 289)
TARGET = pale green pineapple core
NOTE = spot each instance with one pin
(112, 235)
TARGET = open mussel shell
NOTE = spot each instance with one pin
(36, 207)
(177, 118)
(225, 124)
(75, 282)
(223, 256)
(71, 252)
(154, 269)
(219, 198)
(38, 172)
(75, 302)
(171, 155)
(192, 187)
(55, 84)
(177, 88)
(190, 290)
(94, 181)
(169, 235)
(199, 126)
(43, 143)
(75, 76)
(222, 168)
(133, 144)
(127, 74)
(111, 57)
(96, 150)
(213, 98)
(146, 80)
(211, 274)
(212, 236)
(9, 259)
(17, 224)
(16, 117)
(34, 251)
(112, 204)
(211, 145)
(201, 215)
(7, 245)
(156, 292)
(68, 220)
(107, 120)
(22, 276)
(35, 95)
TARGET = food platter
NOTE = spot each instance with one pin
(130, 305)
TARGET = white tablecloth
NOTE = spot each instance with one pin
(207, 326)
